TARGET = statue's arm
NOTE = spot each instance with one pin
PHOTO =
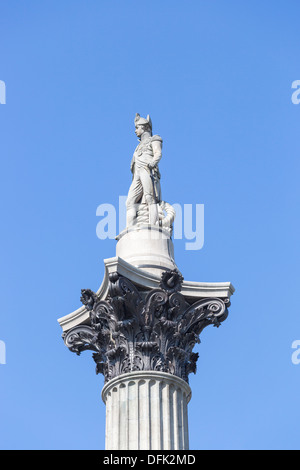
(157, 150)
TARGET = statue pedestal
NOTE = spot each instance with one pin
(147, 247)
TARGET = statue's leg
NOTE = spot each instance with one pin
(148, 189)
(134, 194)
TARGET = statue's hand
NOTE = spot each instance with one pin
(151, 166)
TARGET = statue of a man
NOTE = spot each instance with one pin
(145, 187)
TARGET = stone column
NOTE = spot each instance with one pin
(144, 321)
(146, 411)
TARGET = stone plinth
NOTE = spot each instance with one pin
(147, 247)
(146, 411)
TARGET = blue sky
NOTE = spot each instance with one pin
(216, 79)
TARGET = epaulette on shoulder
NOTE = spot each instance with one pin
(156, 137)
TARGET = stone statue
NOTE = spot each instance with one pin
(145, 192)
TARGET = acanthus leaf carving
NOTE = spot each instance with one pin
(135, 330)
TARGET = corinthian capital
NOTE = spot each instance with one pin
(133, 329)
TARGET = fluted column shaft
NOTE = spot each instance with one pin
(146, 411)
